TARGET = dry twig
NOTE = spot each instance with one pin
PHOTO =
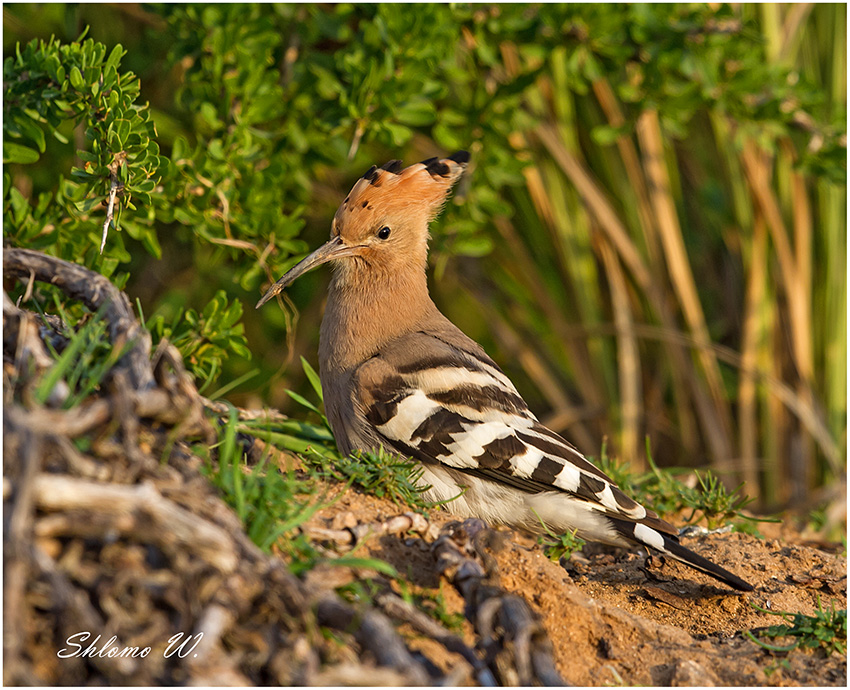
(401, 524)
(375, 634)
(515, 644)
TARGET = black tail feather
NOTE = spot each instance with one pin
(688, 557)
(647, 536)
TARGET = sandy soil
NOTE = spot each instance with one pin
(614, 620)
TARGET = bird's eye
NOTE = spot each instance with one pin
(383, 233)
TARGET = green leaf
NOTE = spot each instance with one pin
(115, 57)
(398, 133)
(472, 246)
(77, 78)
(82, 175)
(122, 130)
(151, 243)
(313, 377)
(16, 153)
(605, 135)
(31, 130)
(20, 206)
(416, 113)
(301, 400)
(88, 204)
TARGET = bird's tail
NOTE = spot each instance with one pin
(669, 545)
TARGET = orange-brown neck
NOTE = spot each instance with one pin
(368, 306)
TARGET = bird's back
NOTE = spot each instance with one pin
(435, 395)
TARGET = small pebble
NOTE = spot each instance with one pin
(344, 520)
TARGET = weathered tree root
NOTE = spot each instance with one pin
(375, 634)
(21, 337)
(95, 291)
(399, 609)
(515, 644)
(151, 553)
(132, 511)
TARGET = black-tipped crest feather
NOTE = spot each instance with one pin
(394, 166)
(460, 157)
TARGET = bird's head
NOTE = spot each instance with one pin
(382, 225)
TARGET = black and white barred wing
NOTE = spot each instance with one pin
(441, 403)
(446, 403)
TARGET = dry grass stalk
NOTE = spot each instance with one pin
(598, 205)
(634, 171)
(603, 212)
(658, 180)
(752, 341)
(523, 267)
(757, 170)
(628, 358)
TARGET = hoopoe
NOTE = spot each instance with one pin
(397, 373)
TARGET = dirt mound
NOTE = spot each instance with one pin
(612, 620)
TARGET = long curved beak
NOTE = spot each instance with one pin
(334, 249)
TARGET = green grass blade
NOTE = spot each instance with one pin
(313, 377)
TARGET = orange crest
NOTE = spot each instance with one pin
(390, 195)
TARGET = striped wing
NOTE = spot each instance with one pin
(439, 402)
